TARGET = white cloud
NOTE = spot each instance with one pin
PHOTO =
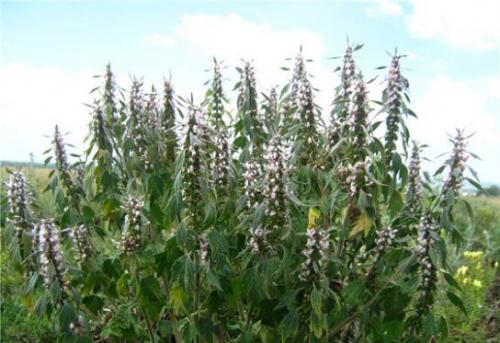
(447, 104)
(385, 7)
(466, 24)
(33, 100)
(160, 40)
(232, 38)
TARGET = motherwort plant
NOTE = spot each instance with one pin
(253, 224)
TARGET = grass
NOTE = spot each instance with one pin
(476, 263)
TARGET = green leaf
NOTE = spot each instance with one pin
(442, 328)
(395, 203)
(178, 298)
(213, 280)
(122, 286)
(352, 293)
(67, 315)
(206, 328)
(429, 325)
(316, 301)
(451, 280)
(289, 325)
(457, 302)
(240, 142)
(318, 324)
(93, 303)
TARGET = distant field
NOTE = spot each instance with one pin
(39, 174)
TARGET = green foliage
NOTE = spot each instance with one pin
(179, 224)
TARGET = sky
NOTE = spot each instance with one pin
(49, 52)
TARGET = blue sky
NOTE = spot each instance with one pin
(49, 50)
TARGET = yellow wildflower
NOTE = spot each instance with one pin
(466, 281)
(462, 270)
(473, 254)
(477, 283)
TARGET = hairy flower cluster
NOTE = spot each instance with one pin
(358, 177)
(334, 133)
(98, 128)
(131, 235)
(201, 127)
(359, 121)
(271, 110)
(248, 93)
(136, 103)
(396, 84)
(192, 171)
(385, 238)
(247, 102)
(78, 326)
(221, 164)
(275, 193)
(138, 123)
(308, 134)
(204, 252)
(17, 195)
(152, 111)
(457, 164)
(167, 122)
(62, 164)
(82, 242)
(51, 254)
(299, 73)
(258, 240)
(316, 252)
(426, 232)
(351, 332)
(414, 192)
(344, 98)
(216, 105)
(348, 73)
(109, 94)
(252, 176)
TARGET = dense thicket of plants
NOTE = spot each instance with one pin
(190, 222)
